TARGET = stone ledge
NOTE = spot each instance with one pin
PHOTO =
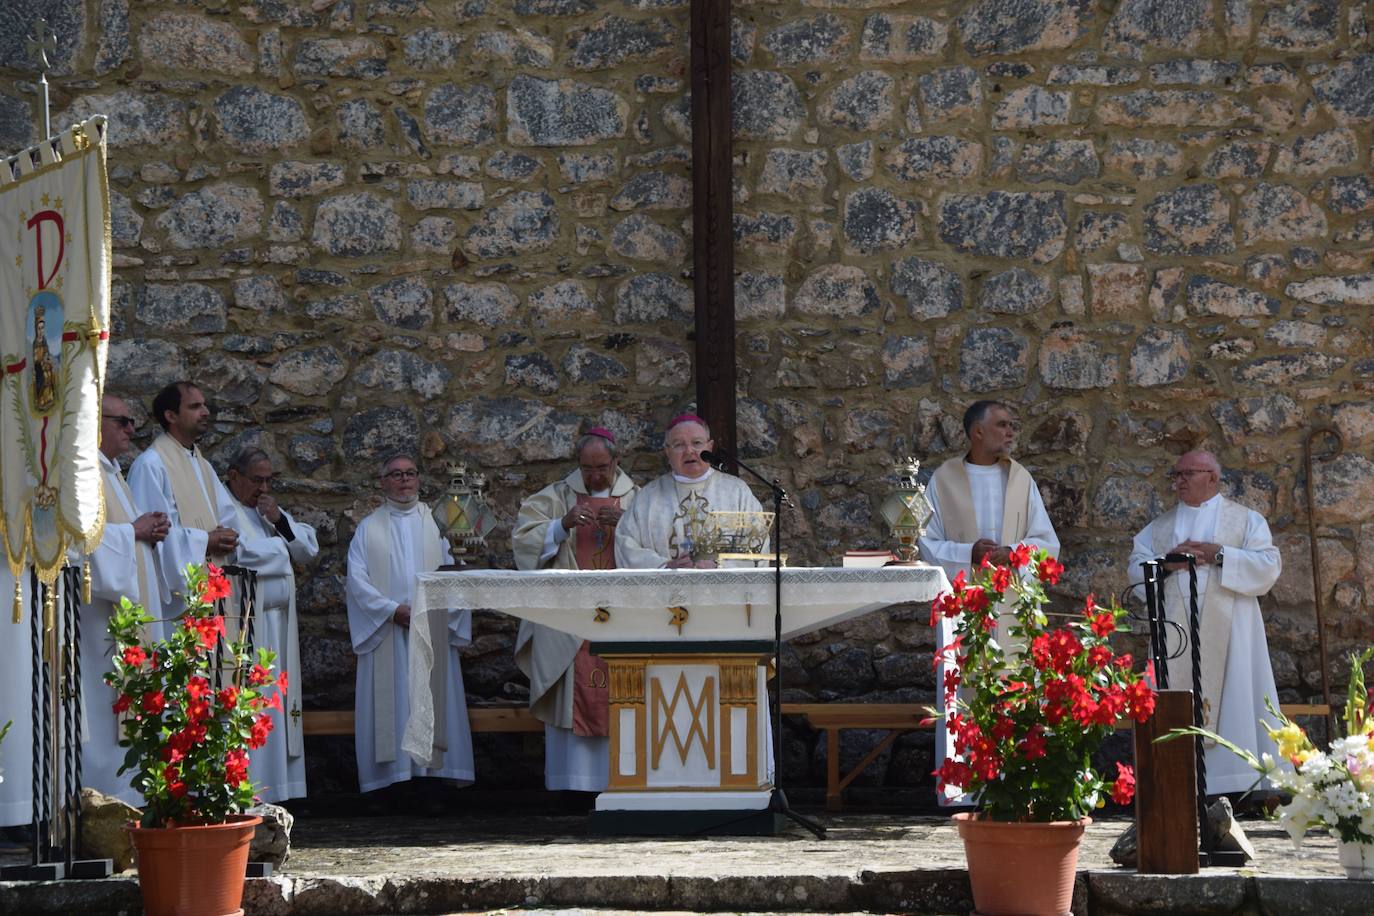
(1098, 893)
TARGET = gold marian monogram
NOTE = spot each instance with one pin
(664, 727)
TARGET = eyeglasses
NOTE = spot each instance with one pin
(411, 474)
(122, 421)
(262, 480)
(1175, 475)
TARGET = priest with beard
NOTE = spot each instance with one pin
(655, 532)
(391, 546)
(985, 504)
(571, 524)
(271, 543)
(173, 477)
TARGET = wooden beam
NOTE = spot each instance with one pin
(713, 251)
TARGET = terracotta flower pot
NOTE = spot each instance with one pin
(1021, 869)
(194, 870)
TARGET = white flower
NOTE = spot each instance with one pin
(1344, 799)
(1317, 766)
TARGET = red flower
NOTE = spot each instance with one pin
(1001, 579)
(281, 681)
(1140, 701)
(197, 687)
(1020, 556)
(175, 787)
(946, 605)
(235, 768)
(275, 701)
(1124, 661)
(1064, 648)
(959, 583)
(984, 564)
(259, 676)
(122, 704)
(1123, 790)
(1032, 747)
(258, 732)
(1049, 570)
(1040, 651)
(207, 628)
(228, 698)
(216, 585)
(975, 600)
(1103, 624)
(197, 711)
(135, 656)
(1099, 656)
(1003, 729)
(154, 702)
(953, 773)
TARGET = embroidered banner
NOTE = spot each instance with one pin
(54, 334)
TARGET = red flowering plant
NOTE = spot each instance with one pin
(1026, 718)
(192, 706)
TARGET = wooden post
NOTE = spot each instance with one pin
(1166, 790)
(713, 255)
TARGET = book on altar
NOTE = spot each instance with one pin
(867, 558)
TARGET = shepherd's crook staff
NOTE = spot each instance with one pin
(1317, 590)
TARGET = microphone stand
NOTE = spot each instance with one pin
(777, 800)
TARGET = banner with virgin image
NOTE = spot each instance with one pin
(54, 334)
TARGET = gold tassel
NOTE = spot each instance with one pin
(49, 610)
(86, 582)
(18, 603)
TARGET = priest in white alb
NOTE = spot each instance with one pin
(391, 546)
(173, 477)
(1236, 563)
(272, 543)
(656, 532)
(571, 524)
(124, 565)
(985, 503)
(16, 706)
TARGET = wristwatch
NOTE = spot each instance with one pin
(1221, 555)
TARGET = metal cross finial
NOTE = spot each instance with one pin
(41, 44)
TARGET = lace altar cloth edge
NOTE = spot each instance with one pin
(625, 588)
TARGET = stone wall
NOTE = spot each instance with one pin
(464, 224)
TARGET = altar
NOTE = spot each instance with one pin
(687, 653)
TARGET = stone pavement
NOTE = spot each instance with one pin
(869, 863)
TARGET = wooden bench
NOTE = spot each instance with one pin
(832, 718)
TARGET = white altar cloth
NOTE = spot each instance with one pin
(633, 605)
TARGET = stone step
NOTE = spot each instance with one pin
(917, 891)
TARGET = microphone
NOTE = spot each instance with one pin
(715, 458)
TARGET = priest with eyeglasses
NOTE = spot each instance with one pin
(1237, 563)
(390, 548)
(273, 543)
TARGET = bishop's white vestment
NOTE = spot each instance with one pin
(168, 477)
(16, 705)
(652, 532)
(1236, 672)
(390, 547)
(548, 656)
(999, 502)
(121, 566)
(278, 767)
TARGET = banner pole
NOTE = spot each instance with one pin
(40, 45)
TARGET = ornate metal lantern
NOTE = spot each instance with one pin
(907, 511)
(462, 514)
